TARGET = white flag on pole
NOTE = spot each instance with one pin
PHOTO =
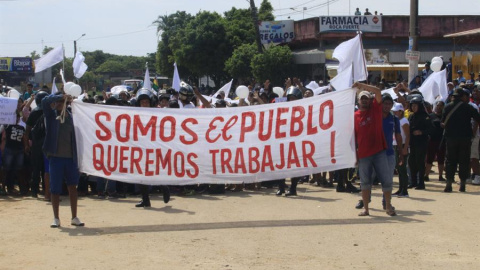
(176, 78)
(54, 86)
(349, 53)
(226, 89)
(146, 81)
(51, 58)
(435, 87)
(343, 80)
(79, 67)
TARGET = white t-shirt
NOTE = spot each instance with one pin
(187, 106)
(473, 121)
(403, 121)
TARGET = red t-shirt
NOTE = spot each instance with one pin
(368, 131)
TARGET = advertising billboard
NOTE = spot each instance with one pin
(276, 32)
(367, 23)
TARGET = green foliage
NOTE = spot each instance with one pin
(202, 47)
(46, 50)
(34, 55)
(112, 66)
(265, 13)
(238, 66)
(275, 64)
(168, 27)
(239, 27)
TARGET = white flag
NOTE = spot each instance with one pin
(343, 80)
(312, 85)
(349, 53)
(147, 84)
(226, 89)
(176, 78)
(79, 67)
(391, 92)
(435, 87)
(54, 86)
(51, 58)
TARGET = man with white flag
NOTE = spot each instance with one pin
(176, 78)
(51, 58)
(79, 66)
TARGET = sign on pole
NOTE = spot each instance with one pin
(412, 55)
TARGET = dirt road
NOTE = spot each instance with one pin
(319, 229)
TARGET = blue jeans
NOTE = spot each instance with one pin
(382, 165)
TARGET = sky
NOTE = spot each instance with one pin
(125, 27)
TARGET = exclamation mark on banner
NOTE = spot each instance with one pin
(332, 147)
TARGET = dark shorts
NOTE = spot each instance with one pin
(62, 169)
(435, 150)
(46, 164)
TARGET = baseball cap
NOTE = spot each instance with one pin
(459, 71)
(398, 107)
(365, 93)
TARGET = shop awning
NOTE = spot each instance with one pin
(383, 67)
(312, 56)
(472, 32)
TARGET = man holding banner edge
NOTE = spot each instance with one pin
(371, 146)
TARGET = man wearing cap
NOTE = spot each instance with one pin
(426, 71)
(456, 120)
(460, 77)
(371, 146)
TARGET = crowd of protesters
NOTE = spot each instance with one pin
(403, 136)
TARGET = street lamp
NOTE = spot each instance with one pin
(303, 10)
(75, 45)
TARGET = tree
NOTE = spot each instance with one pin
(112, 66)
(167, 28)
(202, 47)
(46, 50)
(239, 65)
(265, 13)
(34, 55)
(239, 27)
(275, 64)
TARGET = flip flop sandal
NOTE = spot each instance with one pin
(392, 213)
(363, 214)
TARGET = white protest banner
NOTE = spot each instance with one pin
(8, 110)
(224, 145)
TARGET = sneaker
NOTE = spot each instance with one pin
(441, 179)
(55, 223)
(476, 181)
(426, 178)
(403, 194)
(76, 222)
(397, 193)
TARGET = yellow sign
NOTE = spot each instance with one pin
(5, 63)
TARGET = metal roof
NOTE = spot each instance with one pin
(464, 33)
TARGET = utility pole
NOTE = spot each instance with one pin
(412, 42)
(255, 24)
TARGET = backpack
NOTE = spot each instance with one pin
(39, 131)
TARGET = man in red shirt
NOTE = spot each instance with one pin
(371, 145)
